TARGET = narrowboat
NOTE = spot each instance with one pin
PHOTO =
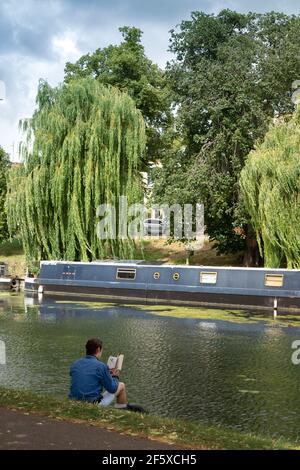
(138, 282)
(13, 284)
(5, 283)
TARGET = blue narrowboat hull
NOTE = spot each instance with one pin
(186, 285)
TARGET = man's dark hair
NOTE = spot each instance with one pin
(92, 345)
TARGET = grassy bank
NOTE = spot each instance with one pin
(157, 249)
(154, 250)
(183, 433)
(11, 253)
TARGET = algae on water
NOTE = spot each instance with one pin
(201, 313)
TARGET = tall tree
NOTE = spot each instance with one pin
(232, 74)
(127, 67)
(83, 148)
(4, 167)
(270, 183)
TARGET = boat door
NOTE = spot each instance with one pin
(68, 272)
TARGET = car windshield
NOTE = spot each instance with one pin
(153, 221)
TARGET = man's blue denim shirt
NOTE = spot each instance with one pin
(88, 379)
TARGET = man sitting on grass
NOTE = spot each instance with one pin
(90, 377)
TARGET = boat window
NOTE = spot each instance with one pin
(123, 273)
(176, 276)
(156, 275)
(274, 280)
(208, 278)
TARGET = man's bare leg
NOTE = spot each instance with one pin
(122, 400)
(121, 394)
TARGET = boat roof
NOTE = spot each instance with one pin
(136, 263)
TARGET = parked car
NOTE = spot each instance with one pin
(154, 227)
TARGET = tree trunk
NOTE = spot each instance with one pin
(252, 256)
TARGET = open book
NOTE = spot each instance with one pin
(115, 362)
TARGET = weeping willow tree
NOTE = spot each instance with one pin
(270, 185)
(82, 148)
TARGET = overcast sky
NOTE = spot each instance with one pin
(37, 38)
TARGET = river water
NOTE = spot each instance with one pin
(219, 371)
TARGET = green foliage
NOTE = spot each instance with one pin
(126, 67)
(11, 248)
(232, 73)
(4, 167)
(83, 148)
(270, 184)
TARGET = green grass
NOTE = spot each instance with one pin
(153, 251)
(11, 253)
(182, 433)
(159, 250)
(10, 248)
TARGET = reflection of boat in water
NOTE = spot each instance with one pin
(187, 285)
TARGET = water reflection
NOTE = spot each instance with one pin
(237, 374)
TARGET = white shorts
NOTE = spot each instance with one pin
(107, 399)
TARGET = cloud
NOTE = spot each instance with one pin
(25, 27)
(37, 38)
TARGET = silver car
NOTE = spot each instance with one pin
(154, 227)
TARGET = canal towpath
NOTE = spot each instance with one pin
(25, 431)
